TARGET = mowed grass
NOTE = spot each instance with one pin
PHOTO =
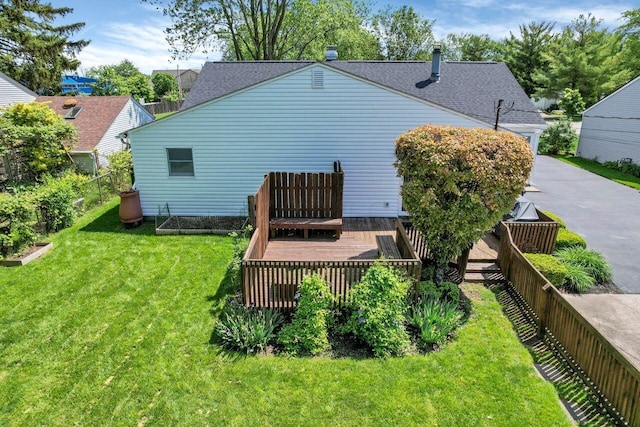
(595, 167)
(113, 327)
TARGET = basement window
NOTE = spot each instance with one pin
(180, 161)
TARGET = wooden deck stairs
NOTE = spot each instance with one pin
(482, 266)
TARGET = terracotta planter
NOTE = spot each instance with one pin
(130, 209)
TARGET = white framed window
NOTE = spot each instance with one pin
(180, 161)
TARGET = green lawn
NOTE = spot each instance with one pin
(113, 327)
(162, 115)
(597, 168)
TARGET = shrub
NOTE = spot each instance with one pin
(121, 169)
(569, 239)
(458, 183)
(578, 279)
(55, 200)
(558, 138)
(247, 329)
(591, 261)
(378, 305)
(556, 218)
(17, 219)
(550, 267)
(434, 320)
(571, 102)
(445, 291)
(307, 333)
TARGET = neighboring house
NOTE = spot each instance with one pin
(11, 92)
(244, 119)
(99, 121)
(77, 84)
(184, 78)
(611, 128)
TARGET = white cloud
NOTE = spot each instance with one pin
(143, 44)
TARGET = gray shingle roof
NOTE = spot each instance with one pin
(470, 88)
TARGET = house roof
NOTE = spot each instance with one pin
(93, 121)
(470, 88)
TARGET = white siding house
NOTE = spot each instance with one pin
(611, 128)
(12, 92)
(236, 139)
(301, 120)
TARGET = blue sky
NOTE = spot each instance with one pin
(120, 29)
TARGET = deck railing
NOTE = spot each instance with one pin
(259, 220)
(584, 346)
(268, 283)
(536, 236)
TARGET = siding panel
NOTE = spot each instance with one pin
(12, 92)
(283, 125)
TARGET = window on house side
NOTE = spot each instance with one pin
(180, 161)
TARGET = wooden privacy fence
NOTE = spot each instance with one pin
(259, 219)
(585, 347)
(535, 236)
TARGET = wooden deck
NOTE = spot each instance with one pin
(358, 242)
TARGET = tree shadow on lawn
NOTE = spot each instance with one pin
(109, 222)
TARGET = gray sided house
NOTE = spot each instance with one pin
(242, 120)
(12, 92)
(611, 128)
(99, 120)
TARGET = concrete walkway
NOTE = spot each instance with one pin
(616, 316)
(605, 213)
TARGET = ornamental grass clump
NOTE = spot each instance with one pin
(434, 320)
(592, 262)
(247, 329)
(578, 279)
(378, 306)
(307, 333)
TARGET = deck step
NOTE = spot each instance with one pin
(486, 278)
(482, 267)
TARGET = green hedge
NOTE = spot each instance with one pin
(17, 221)
(569, 239)
(556, 218)
(550, 267)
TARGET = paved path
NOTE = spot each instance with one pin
(616, 316)
(605, 213)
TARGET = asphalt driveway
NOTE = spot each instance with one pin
(605, 213)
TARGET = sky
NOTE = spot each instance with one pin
(120, 29)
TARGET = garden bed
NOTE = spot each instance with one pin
(221, 225)
(25, 257)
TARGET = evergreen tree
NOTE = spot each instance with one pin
(33, 51)
(630, 33)
(525, 55)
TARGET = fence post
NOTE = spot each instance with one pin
(544, 315)
(251, 201)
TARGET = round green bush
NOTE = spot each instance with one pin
(307, 333)
(569, 239)
(550, 267)
(378, 307)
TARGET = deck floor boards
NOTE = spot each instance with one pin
(358, 242)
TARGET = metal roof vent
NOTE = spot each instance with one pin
(73, 113)
(332, 53)
(317, 79)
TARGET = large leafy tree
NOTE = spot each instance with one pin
(36, 140)
(630, 33)
(524, 55)
(33, 50)
(458, 183)
(121, 79)
(403, 34)
(264, 30)
(584, 57)
(471, 47)
(164, 84)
